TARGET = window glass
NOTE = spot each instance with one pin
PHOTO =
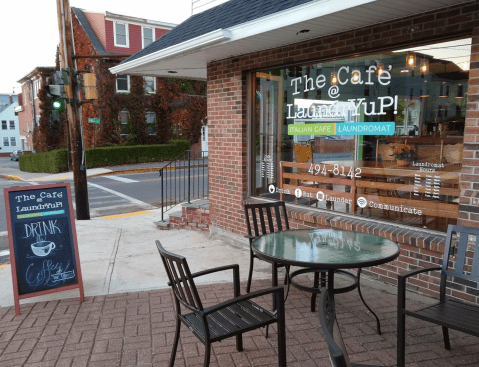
(147, 36)
(150, 84)
(120, 34)
(4, 125)
(150, 123)
(12, 142)
(122, 84)
(12, 125)
(376, 136)
(5, 142)
(123, 117)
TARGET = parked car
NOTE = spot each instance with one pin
(15, 155)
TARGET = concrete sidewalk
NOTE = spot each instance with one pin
(118, 254)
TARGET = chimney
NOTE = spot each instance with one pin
(10, 98)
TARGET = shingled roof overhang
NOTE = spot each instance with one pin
(239, 27)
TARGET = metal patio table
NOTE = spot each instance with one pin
(332, 250)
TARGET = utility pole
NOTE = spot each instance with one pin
(73, 105)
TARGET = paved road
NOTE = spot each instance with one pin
(112, 194)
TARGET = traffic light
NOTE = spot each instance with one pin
(56, 91)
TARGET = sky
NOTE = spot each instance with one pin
(29, 30)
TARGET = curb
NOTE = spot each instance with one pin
(11, 177)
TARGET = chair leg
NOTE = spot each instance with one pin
(445, 334)
(207, 355)
(250, 274)
(175, 342)
(239, 342)
(313, 296)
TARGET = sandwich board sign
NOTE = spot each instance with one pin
(42, 241)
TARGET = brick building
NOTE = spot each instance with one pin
(382, 94)
(29, 105)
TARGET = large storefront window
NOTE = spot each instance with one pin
(377, 136)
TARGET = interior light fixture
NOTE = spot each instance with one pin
(334, 78)
(355, 75)
(411, 59)
(379, 68)
(460, 92)
(424, 68)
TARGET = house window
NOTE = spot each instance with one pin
(150, 84)
(12, 125)
(123, 117)
(121, 34)
(352, 139)
(150, 123)
(4, 125)
(36, 87)
(123, 83)
(147, 36)
(5, 142)
(13, 142)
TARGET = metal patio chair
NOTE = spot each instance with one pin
(460, 263)
(276, 220)
(224, 320)
(329, 325)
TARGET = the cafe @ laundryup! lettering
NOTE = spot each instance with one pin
(354, 107)
(342, 111)
(43, 240)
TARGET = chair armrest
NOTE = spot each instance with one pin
(244, 297)
(402, 285)
(214, 270)
(209, 271)
(402, 277)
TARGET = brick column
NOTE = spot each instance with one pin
(469, 181)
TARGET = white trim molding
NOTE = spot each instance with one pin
(194, 44)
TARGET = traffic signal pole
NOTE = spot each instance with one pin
(73, 105)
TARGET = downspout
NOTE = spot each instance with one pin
(32, 101)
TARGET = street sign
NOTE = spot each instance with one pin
(42, 241)
(93, 121)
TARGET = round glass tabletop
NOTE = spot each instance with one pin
(325, 248)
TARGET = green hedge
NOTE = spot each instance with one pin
(56, 160)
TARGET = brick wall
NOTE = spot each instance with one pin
(227, 120)
(469, 208)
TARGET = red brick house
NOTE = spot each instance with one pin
(29, 104)
(301, 74)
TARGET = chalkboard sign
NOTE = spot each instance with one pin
(42, 239)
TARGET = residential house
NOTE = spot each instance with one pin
(10, 132)
(109, 38)
(29, 104)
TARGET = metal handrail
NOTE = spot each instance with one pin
(183, 179)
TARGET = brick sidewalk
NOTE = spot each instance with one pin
(134, 329)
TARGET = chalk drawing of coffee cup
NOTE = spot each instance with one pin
(42, 248)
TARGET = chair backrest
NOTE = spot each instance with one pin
(180, 278)
(276, 218)
(461, 244)
(329, 325)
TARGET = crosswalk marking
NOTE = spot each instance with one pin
(121, 179)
